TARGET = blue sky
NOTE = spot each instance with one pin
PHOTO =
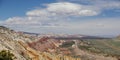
(89, 17)
(11, 8)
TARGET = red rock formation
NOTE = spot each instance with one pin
(44, 44)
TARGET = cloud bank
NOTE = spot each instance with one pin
(64, 17)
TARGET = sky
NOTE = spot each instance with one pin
(88, 17)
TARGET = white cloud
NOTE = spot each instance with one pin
(98, 4)
(52, 15)
(63, 9)
(55, 17)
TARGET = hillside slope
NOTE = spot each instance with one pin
(17, 44)
(106, 48)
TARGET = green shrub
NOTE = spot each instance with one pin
(67, 44)
(6, 55)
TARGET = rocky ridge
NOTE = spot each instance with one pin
(17, 44)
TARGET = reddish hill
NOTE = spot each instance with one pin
(44, 44)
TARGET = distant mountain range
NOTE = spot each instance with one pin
(78, 37)
(67, 37)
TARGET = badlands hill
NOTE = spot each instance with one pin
(33, 47)
(21, 45)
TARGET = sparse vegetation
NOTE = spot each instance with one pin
(6, 55)
(67, 44)
(105, 47)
